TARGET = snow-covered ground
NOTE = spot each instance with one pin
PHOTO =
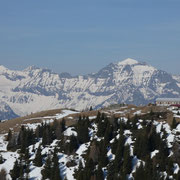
(35, 172)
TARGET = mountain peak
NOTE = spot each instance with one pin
(128, 61)
(2, 68)
(30, 68)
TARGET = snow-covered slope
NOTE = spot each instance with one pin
(177, 78)
(128, 81)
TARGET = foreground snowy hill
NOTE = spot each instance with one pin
(128, 81)
(114, 143)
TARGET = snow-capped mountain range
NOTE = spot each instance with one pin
(127, 81)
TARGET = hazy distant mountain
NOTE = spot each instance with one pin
(128, 81)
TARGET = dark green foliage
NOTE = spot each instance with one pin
(82, 130)
(27, 155)
(46, 172)
(135, 121)
(141, 148)
(9, 136)
(73, 144)
(99, 173)
(119, 153)
(38, 159)
(55, 172)
(103, 159)
(48, 135)
(140, 173)
(90, 109)
(174, 123)
(1, 159)
(27, 169)
(15, 172)
(26, 138)
(127, 161)
(88, 171)
(103, 123)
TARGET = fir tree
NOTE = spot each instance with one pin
(82, 131)
(140, 173)
(174, 123)
(63, 125)
(1, 159)
(127, 161)
(46, 172)
(27, 155)
(38, 158)
(55, 172)
(9, 136)
(73, 145)
(15, 172)
(99, 173)
(119, 153)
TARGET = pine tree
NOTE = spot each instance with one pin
(38, 159)
(27, 170)
(82, 131)
(1, 159)
(55, 172)
(9, 136)
(90, 109)
(127, 161)
(140, 173)
(63, 125)
(27, 155)
(174, 123)
(135, 121)
(73, 145)
(99, 173)
(46, 172)
(119, 153)
(15, 172)
(103, 159)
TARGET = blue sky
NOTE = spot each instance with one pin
(82, 36)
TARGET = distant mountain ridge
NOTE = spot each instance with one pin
(128, 81)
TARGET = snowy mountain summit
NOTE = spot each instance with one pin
(128, 61)
(128, 81)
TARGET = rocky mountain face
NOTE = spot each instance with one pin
(128, 81)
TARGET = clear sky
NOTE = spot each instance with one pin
(82, 36)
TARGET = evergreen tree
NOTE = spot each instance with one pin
(38, 159)
(55, 172)
(82, 131)
(15, 172)
(140, 173)
(134, 122)
(1, 159)
(63, 125)
(27, 170)
(119, 153)
(127, 161)
(9, 136)
(73, 144)
(102, 125)
(99, 173)
(27, 155)
(174, 123)
(46, 172)
(103, 159)
(90, 109)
